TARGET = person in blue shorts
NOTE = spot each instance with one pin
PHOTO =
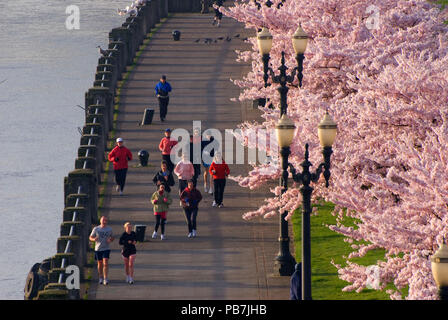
(102, 236)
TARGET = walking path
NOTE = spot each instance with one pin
(230, 258)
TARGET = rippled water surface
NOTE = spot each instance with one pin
(47, 68)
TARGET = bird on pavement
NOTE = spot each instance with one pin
(132, 10)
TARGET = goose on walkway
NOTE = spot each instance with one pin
(101, 51)
(131, 10)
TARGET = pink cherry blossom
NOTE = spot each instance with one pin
(386, 87)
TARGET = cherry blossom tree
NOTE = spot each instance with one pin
(381, 69)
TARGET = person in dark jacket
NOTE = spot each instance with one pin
(128, 240)
(208, 180)
(163, 88)
(164, 177)
(296, 283)
(190, 199)
(120, 155)
(195, 159)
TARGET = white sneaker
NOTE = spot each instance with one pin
(194, 233)
(154, 235)
(210, 191)
(205, 188)
(121, 193)
(162, 237)
(127, 279)
(214, 204)
(100, 281)
(221, 205)
(190, 235)
(106, 282)
(117, 188)
(131, 281)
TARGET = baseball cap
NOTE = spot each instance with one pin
(164, 77)
(168, 130)
(119, 139)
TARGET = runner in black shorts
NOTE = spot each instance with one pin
(218, 14)
(128, 240)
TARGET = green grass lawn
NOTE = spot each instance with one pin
(325, 246)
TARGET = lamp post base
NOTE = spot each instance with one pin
(284, 265)
(443, 293)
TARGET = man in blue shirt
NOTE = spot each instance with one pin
(162, 92)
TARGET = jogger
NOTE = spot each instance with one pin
(184, 171)
(195, 158)
(218, 15)
(102, 236)
(190, 199)
(163, 88)
(164, 177)
(205, 154)
(219, 170)
(165, 146)
(128, 240)
(120, 155)
(161, 200)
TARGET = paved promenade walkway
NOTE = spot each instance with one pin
(230, 258)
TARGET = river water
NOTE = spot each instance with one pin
(47, 69)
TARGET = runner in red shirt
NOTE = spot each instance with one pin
(166, 145)
(120, 155)
(219, 171)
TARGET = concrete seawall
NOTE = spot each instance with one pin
(47, 279)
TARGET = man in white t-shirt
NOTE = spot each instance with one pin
(102, 236)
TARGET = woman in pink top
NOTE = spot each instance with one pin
(184, 171)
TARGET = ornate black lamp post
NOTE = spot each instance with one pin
(285, 134)
(439, 266)
(299, 41)
(268, 3)
(284, 262)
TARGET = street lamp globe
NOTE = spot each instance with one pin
(439, 266)
(326, 131)
(285, 130)
(299, 40)
(264, 39)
